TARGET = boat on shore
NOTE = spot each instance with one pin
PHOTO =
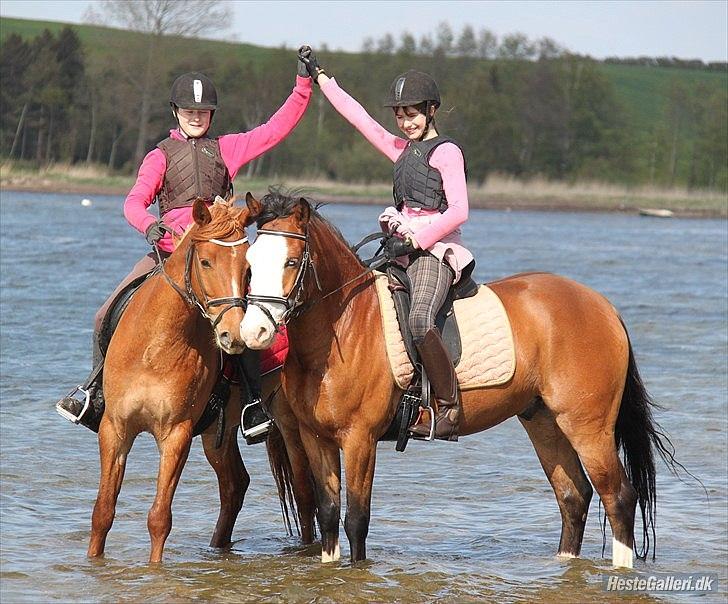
(656, 212)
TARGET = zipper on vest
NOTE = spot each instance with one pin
(196, 165)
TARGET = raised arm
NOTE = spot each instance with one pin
(383, 140)
(238, 149)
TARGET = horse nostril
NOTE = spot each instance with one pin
(225, 338)
(262, 334)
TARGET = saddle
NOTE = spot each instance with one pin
(417, 393)
(229, 372)
(445, 321)
(486, 351)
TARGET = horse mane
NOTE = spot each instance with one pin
(279, 203)
(226, 221)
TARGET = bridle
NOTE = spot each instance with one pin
(188, 294)
(294, 299)
(293, 303)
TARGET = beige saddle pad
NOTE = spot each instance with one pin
(488, 355)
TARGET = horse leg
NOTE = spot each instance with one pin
(232, 479)
(597, 450)
(563, 470)
(359, 461)
(174, 450)
(325, 463)
(113, 451)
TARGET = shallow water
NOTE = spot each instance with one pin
(488, 531)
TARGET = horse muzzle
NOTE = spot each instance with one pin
(257, 330)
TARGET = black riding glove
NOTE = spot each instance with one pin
(302, 71)
(395, 247)
(309, 60)
(154, 232)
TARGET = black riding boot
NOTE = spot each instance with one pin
(254, 421)
(88, 410)
(441, 373)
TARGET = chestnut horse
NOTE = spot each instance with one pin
(162, 364)
(575, 381)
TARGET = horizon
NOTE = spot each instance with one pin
(597, 29)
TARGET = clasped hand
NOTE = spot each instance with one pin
(394, 247)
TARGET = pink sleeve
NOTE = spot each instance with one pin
(238, 149)
(448, 160)
(148, 183)
(383, 140)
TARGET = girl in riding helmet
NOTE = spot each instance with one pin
(186, 165)
(430, 205)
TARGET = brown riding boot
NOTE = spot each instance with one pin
(441, 373)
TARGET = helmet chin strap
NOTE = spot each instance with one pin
(428, 121)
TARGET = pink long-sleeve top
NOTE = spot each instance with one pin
(438, 233)
(236, 151)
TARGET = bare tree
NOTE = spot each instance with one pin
(158, 19)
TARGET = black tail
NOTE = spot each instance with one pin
(280, 466)
(639, 436)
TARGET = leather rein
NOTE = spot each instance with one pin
(188, 293)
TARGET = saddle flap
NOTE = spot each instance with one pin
(445, 321)
(116, 310)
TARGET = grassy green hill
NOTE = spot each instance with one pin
(642, 90)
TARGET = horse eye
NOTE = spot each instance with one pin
(205, 263)
(291, 262)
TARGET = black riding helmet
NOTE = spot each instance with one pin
(412, 88)
(193, 91)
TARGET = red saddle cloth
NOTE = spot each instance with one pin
(270, 359)
(275, 356)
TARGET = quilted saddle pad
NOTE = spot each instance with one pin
(488, 354)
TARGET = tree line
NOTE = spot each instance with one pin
(516, 106)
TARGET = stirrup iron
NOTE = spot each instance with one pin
(86, 405)
(258, 429)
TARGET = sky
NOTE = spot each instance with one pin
(688, 29)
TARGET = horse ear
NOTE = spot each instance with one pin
(253, 204)
(200, 212)
(303, 211)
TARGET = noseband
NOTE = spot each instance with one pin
(294, 298)
(188, 293)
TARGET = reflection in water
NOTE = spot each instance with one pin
(474, 520)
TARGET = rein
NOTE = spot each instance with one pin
(188, 294)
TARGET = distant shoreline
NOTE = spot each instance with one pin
(508, 197)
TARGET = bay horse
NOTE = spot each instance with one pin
(162, 364)
(576, 387)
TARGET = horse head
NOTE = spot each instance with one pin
(216, 266)
(279, 260)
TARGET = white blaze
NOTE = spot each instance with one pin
(267, 258)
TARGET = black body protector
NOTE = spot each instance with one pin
(194, 169)
(416, 183)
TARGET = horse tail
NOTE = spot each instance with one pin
(638, 435)
(280, 466)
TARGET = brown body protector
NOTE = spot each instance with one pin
(195, 168)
